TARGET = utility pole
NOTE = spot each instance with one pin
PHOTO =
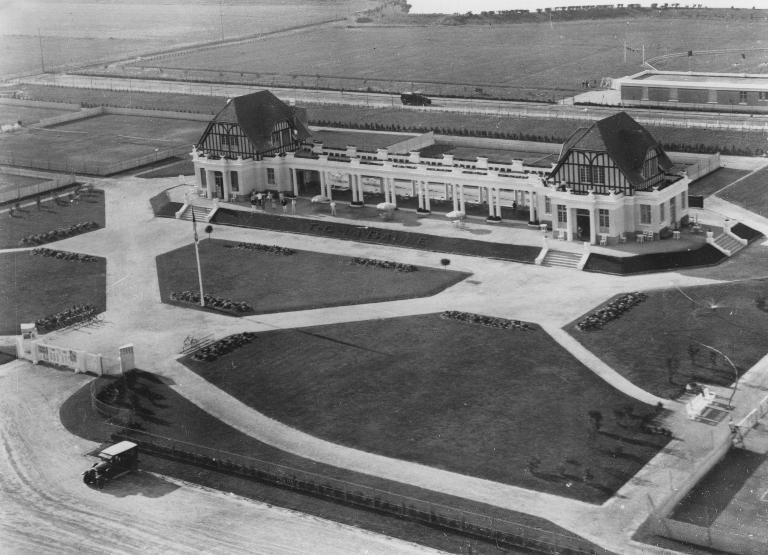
(42, 59)
(221, 17)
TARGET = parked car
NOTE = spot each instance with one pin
(114, 461)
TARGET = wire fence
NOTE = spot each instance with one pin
(34, 189)
(501, 531)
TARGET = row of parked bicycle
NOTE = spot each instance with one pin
(272, 249)
(385, 264)
(488, 321)
(211, 301)
(68, 317)
(211, 352)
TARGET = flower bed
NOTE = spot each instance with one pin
(74, 315)
(63, 255)
(57, 234)
(487, 321)
(386, 264)
(216, 303)
(223, 346)
(272, 249)
(611, 311)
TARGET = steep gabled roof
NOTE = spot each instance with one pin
(623, 139)
(257, 114)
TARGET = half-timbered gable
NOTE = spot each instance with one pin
(615, 154)
(253, 126)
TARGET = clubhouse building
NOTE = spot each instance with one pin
(605, 182)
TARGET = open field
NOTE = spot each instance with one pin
(32, 287)
(91, 144)
(504, 61)
(301, 281)
(12, 181)
(51, 215)
(751, 193)
(507, 405)
(87, 32)
(659, 344)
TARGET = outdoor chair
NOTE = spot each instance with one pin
(622, 238)
(603, 240)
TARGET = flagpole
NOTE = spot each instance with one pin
(197, 256)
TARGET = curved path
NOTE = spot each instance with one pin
(549, 296)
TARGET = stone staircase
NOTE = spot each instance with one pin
(728, 244)
(201, 213)
(562, 259)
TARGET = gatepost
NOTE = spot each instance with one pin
(126, 358)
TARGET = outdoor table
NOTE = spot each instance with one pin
(675, 235)
(640, 238)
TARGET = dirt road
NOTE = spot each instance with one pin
(45, 508)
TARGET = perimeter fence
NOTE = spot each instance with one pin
(501, 531)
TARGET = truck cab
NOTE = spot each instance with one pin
(114, 461)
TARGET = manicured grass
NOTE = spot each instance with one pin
(751, 192)
(302, 281)
(163, 412)
(370, 234)
(182, 167)
(32, 287)
(12, 181)
(723, 490)
(707, 255)
(713, 182)
(92, 143)
(462, 397)
(29, 220)
(27, 114)
(657, 334)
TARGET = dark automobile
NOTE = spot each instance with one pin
(115, 461)
(415, 99)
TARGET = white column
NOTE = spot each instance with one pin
(498, 203)
(351, 181)
(295, 182)
(227, 184)
(569, 231)
(392, 190)
(532, 211)
(419, 193)
(211, 183)
(454, 198)
(592, 226)
(462, 206)
(490, 203)
(426, 196)
(413, 187)
(360, 197)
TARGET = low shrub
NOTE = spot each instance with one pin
(385, 264)
(611, 311)
(64, 318)
(216, 303)
(57, 234)
(488, 321)
(223, 346)
(63, 255)
(271, 249)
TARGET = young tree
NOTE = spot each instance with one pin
(209, 230)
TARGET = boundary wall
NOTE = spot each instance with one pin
(51, 183)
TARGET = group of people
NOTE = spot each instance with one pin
(267, 200)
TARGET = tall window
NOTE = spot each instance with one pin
(662, 215)
(645, 213)
(742, 97)
(604, 219)
(270, 176)
(592, 174)
(234, 181)
(547, 205)
(562, 215)
(203, 178)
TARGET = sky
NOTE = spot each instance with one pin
(463, 6)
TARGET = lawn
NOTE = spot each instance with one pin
(52, 215)
(659, 344)
(751, 192)
(164, 412)
(32, 287)
(713, 182)
(505, 60)
(303, 281)
(12, 181)
(506, 405)
(92, 145)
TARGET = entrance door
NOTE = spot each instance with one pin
(218, 179)
(582, 225)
